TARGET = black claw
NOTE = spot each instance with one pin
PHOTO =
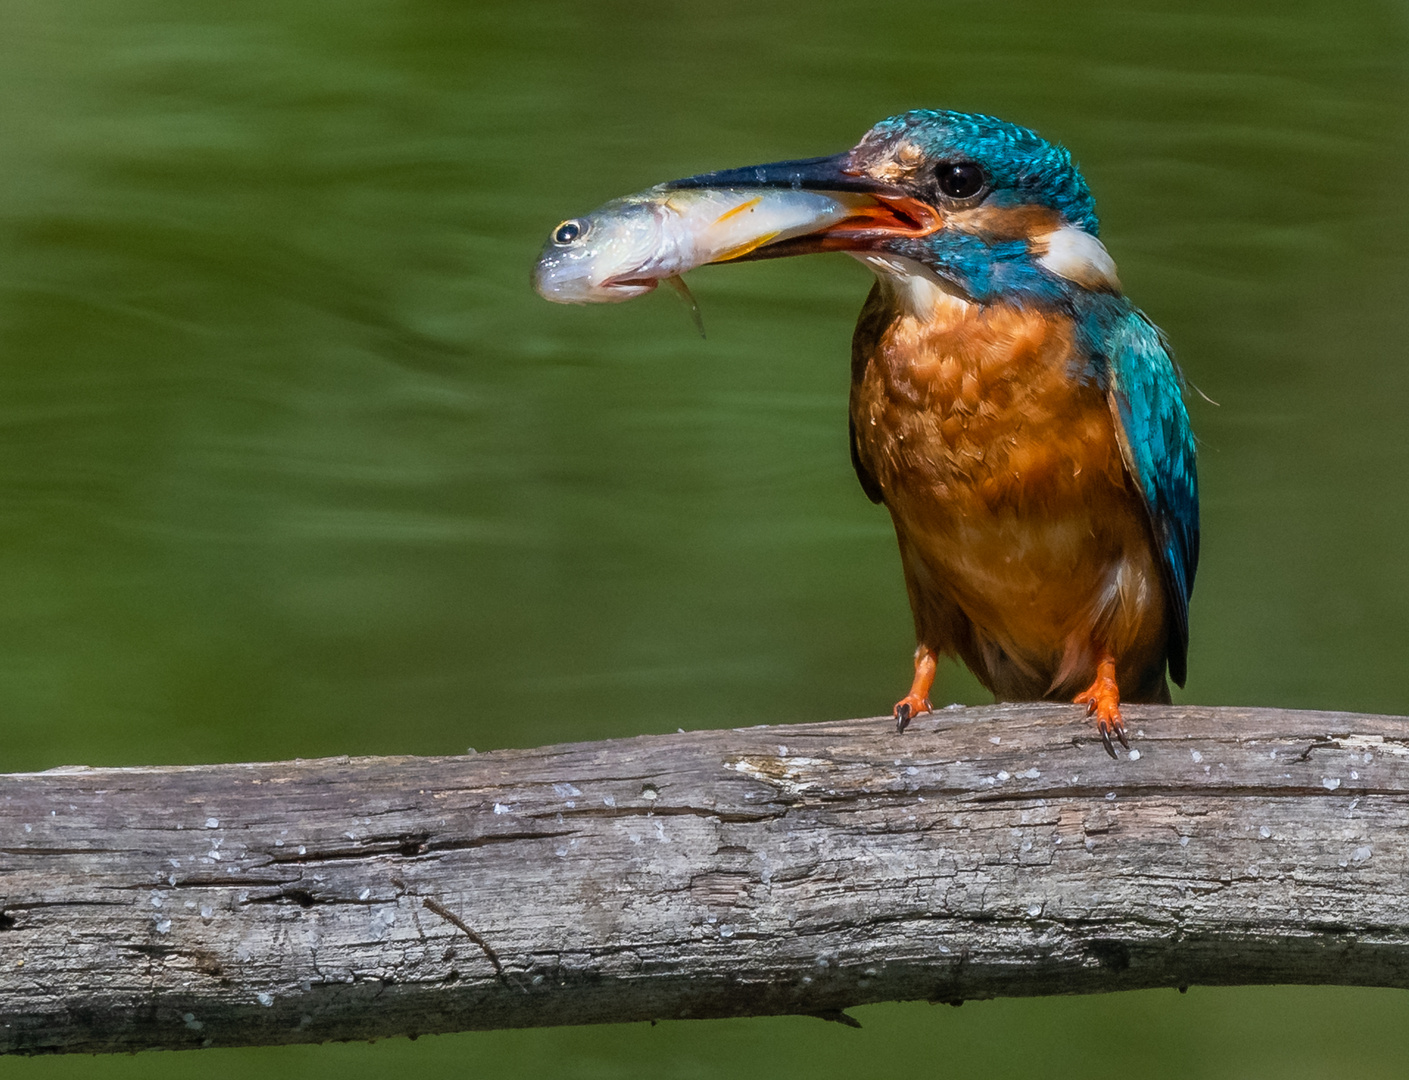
(1124, 739)
(1106, 738)
(902, 716)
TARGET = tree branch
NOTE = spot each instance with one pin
(797, 869)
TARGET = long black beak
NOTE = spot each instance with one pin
(833, 173)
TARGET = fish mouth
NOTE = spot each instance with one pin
(876, 212)
(629, 286)
(568, 284)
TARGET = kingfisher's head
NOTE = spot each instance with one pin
(984, 208)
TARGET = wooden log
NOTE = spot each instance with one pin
(786, 869)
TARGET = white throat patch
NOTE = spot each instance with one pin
(1078, 256)
(921, 293)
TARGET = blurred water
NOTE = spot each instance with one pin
(292, 462)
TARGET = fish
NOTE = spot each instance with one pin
(628, 246)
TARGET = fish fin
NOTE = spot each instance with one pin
(746, 248)
(678, 284)
(742, 208)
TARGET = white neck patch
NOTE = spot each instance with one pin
(922, 294)
(1078, 256)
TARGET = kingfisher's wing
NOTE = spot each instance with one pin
(868, 482)
(864, 340)
(1146, 395)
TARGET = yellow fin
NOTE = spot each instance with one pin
(744, 249)
(738, 209)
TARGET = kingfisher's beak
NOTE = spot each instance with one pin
(877, 211)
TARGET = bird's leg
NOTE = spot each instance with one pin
(1102, 700)
(917, 701)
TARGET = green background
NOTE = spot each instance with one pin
(292, 461)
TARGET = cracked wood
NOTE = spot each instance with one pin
(786, 869)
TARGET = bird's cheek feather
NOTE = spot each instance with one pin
(1079, 257)
(1000, 223)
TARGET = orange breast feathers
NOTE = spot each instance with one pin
(1026, 546)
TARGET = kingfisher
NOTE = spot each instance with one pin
(1020, 418)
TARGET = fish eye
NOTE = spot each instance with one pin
(960, 179)
(569, 231)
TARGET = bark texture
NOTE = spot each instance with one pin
(791, 869)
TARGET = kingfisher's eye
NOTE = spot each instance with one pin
(569, 231)
(960, 179)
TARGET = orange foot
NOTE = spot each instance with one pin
(917, 701)
(1102, 700)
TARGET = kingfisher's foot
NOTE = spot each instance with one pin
(917, 701)
(909, 707)
(1102, 700)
